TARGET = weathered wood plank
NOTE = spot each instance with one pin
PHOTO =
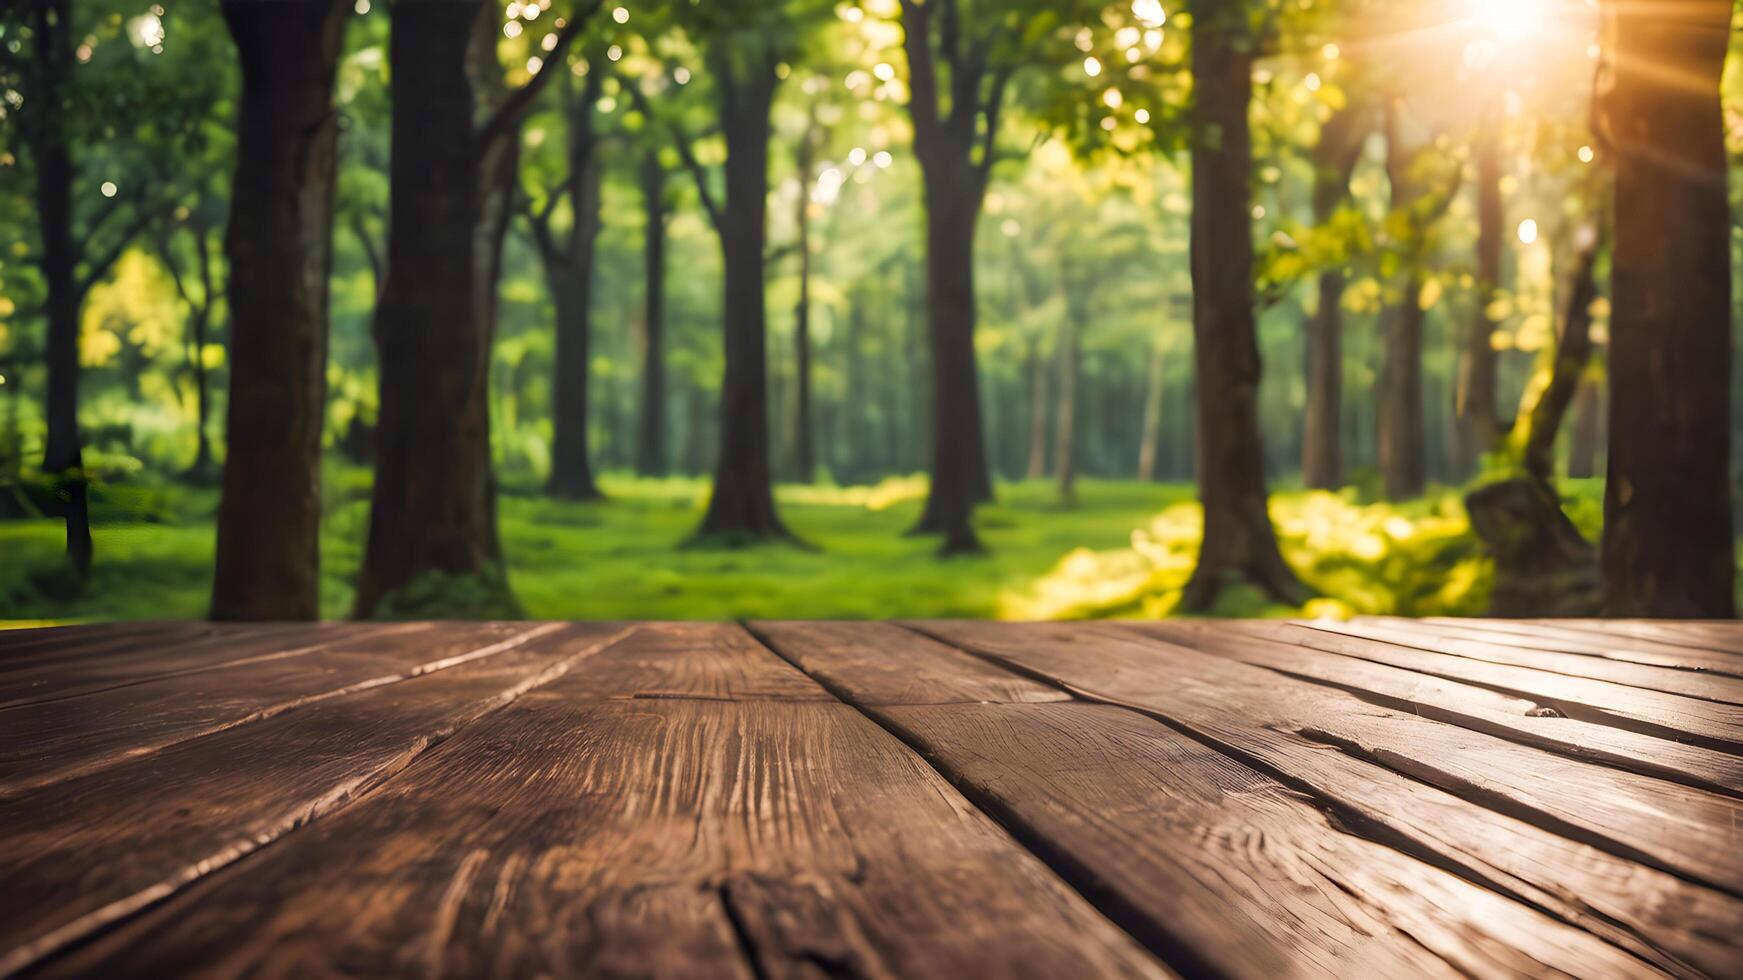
(1267, 644)
(18, 643)
(603, 823)
(82, 854)
(50, 741)
(1713, 724)
(1724, 636)
(1227, 870)
(56, 679)
(84, 643)
(1521, 652)
(880, 663)
(1585, 844)
(1618, 640)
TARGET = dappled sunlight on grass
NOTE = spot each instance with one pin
(1413, 559)
(1125, 548)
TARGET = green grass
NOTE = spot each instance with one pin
(624, 558)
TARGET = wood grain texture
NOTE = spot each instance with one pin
(87, 852)
(56, 678)
(615, 823)
(1678, 646)
(879, 663)
(22, 663)
(1592, 855)
(1722, 636)
(1480, 709)
(1536, 653)
(1714, 724)
(53, 740)
(1224, 870)
(1248, 875)
(23, 642)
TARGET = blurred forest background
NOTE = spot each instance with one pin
(746, 288)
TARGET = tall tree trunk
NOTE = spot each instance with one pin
(1668, 543)
(432, 542)
(959, 462)
(1335, 158)
(954, 183)
(1037, 412)
(278, 251)
(1150, 435)
(204, 465)
(1479, 429)
(1239, 541)
(857, 407)
(1065, 431)
(1582, 461)
(1401, 436)
(743, 501)
(1402, 462)
(570, 268)
(651, 443)
(1321, 445)
(63, 451)
(804, 449)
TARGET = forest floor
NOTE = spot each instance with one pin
(1124, 548)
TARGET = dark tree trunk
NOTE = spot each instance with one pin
(63, 451)
(954, 182)
(204, 466)
(278, 251)
(1402, 465)
(1668, 543)
(432, 530)
(959, 465)
(1150, 435)
(743, 501)
(1582, 461)
(1321, 445)
(1038, 366)
(1239, 541)
(857, 407)
(1065, 431)
(1479, 429)
(804, 449)
(569, 267)
(651, 444)
(1401, 436)
(1340, 148)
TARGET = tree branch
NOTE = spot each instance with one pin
(686, 152)
(371, 253)
(100, 267)
(994, 106)
(509, 113)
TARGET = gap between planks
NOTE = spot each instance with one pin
(1221, 929)
(1649, 908)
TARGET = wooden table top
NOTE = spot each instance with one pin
(938, 799)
